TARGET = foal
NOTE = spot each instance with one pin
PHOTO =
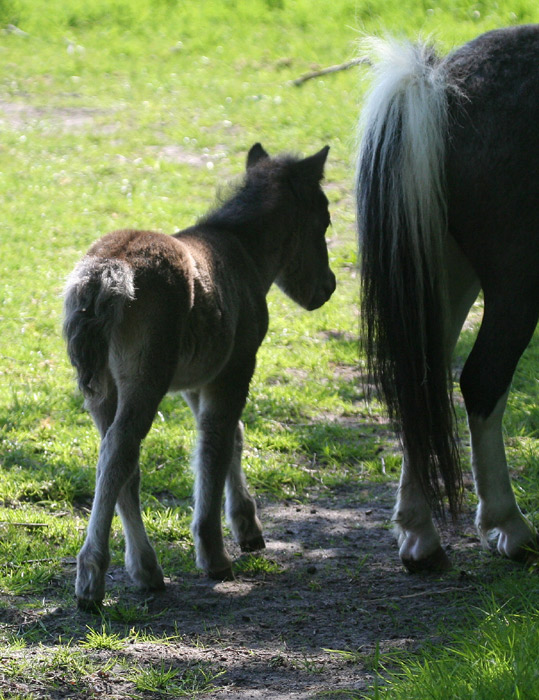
(147, 313)
(448, 204)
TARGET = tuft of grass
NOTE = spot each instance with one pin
(170, 682)
(256, 565)
(104, 639)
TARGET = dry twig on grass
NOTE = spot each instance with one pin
(331, 69)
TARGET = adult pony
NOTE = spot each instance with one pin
(448, 204)
(146, 313)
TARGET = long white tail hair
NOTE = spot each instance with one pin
(402, 224)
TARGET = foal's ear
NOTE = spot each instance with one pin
(255, 155)
(313, 166)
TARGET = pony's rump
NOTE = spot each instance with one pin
(402, 220)
(94, 300)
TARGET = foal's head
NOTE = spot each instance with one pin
(304, 273)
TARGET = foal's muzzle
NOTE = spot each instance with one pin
(323, 292)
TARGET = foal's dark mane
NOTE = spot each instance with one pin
(252, 199)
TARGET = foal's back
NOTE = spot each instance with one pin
(194, 293)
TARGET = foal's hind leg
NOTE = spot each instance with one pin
(240, 505)
(117, 466)
(419, 542)
(507, 327)
(140, 557)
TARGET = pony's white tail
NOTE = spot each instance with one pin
(402, 220)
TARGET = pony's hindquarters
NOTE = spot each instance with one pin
(447, 202)
(493, 184)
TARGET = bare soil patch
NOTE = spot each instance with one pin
(21, 115)
(336, 586)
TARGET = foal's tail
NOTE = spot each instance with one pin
(94, 300)
(402, 219)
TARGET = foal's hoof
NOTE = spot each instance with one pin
(157, 585)
(253, 545)
(435, 563)
(528, 554)
(95, 607)
(222, 575)
(153, 582)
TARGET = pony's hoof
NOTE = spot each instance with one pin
(95, 607)
(222, 575)
(436, 562)
(253, 545)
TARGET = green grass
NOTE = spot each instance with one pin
(495, 658)
(169, 682)
(133, 114)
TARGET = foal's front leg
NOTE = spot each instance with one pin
(217, 409)
(211, 462)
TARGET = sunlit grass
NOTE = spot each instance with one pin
(170, 682)
(495, 659)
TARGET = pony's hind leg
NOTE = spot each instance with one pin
(419, 542)
(420, 548)
(507, 327)
(240, 505)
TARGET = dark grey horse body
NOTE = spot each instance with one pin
(448, 204)
(147, 313)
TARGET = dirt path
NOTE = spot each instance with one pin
(337, 595)
(341, 588)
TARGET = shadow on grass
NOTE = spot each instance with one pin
(312, 610)
(329, 577)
